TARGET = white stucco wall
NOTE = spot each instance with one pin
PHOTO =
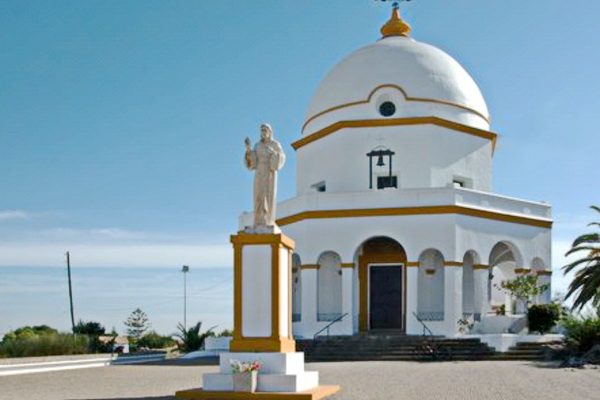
(426, 156)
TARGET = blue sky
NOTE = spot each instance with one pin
(122, 123)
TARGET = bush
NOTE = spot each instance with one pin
(543, 317)
(49, 344)
(153, 340)
(582, 333)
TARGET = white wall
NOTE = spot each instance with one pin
(426, 156)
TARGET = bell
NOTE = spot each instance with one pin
(380, 162)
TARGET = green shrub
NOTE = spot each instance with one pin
(543, 317)
(582, 333)
(49, 344)
(153, 340)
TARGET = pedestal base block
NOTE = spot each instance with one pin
(271, 383)
(270, 363)
(317, 393)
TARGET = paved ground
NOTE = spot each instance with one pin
(482, 380)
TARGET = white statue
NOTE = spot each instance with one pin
(266, 158)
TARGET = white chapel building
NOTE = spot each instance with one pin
(394, 218)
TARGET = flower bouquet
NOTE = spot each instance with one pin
(245, 375)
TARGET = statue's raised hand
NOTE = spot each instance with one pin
(247, 143)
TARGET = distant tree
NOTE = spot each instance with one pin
(225, 332)
(137, 324)
(91, 328)
(586, 283)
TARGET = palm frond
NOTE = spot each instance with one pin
(581, 248)
(587, 238)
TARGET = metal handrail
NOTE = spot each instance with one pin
(338, 319)
(425, 327)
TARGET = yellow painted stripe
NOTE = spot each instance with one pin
(406, 97)
(426, 210)
(370, 123)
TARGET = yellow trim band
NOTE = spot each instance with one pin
(412, 264)
(310, 266)
(347, 265)
(406, 97)
(426, 210)
(522, 270)
(453, 264)
(480, 266)
(544, 272)
(372, 123)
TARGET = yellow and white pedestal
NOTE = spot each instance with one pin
(262, 326)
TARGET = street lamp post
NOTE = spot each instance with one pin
(185, 269)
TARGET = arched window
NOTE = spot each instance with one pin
(329, 282)
(296, 288)
(430, 301)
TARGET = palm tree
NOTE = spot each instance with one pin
(587, 279)
(192, 338)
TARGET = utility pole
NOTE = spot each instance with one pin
(185, 269)
(70, 291)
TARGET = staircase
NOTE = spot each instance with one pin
(524, 351)
(388, 347)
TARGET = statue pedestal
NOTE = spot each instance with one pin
(263, 326)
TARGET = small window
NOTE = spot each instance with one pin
(319, 187)
(387, 182)
(387, 109)
(458, 184)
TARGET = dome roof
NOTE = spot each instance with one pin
(421, 72)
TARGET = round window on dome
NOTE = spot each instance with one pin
(387, 109)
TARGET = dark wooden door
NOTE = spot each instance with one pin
(385, 297)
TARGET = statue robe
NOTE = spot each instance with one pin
(265, 159)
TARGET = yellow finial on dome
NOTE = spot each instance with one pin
(396, 25)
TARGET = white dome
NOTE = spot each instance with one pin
(426, 77)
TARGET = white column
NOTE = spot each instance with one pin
(452, 299)
(480, 285)
(412, 290)
(346, 323)
(309, 301)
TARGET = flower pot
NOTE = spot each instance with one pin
(245, 381)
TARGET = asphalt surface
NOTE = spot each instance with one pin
(480, 380)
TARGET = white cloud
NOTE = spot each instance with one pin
(7, 215)
(117, 255)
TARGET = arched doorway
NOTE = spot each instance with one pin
(382, 285)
